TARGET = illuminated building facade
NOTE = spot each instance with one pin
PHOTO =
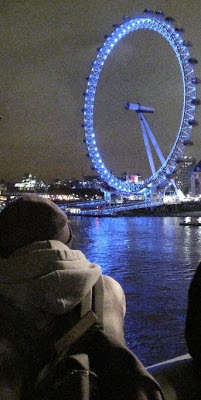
(196, 181)
(183, 174)
(29, 182)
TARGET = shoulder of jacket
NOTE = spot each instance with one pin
(111, 283)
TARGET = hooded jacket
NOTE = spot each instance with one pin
(48, 279)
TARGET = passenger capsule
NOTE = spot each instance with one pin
(169, 19)
(179, 29)
(196, 102)
(148, 11)
(125, 18)
(193, 60)
(188, 142)
(193, 122)
(187, 43)
(159, 14)
(196, 81)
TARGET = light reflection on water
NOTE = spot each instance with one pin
(154, 259)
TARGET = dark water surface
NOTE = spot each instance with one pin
(154, 259)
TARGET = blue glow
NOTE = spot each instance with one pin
(188, 112)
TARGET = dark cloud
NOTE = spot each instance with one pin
(47, 50)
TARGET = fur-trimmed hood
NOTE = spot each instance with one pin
(47, 276)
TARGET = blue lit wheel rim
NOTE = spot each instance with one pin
(180, 48)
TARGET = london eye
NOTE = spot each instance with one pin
(152, 22)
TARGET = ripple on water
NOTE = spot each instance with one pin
(154, 260)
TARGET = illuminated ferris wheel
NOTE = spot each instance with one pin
(154, 22)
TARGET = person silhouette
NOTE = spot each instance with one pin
(44, 284)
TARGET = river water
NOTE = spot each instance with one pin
(154, 259)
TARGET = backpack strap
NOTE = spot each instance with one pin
(91, 314)
(83, 325)
(98, 299)
(94, 301)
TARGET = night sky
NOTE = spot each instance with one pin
(47, 51)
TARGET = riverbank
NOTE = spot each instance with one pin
(185, 209)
